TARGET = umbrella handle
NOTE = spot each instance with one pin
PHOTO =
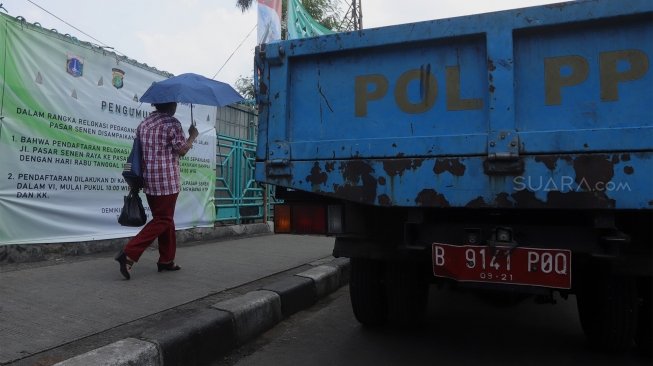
(192, 121)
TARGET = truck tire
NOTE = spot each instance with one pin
(367, 291)
(644, 333)
(607, 307)
(408, 292)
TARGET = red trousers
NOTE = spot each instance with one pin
(162, 226)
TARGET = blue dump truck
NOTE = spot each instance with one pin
(507, 154)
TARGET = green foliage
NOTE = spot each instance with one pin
(244, 5)
(245, 86)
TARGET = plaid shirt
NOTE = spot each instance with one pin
(161, 135)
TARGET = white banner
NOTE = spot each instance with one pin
(269, 20)
(69, 115)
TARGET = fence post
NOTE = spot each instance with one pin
(265, 203)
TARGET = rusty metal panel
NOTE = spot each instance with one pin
(330, 90)
(592, 181)
(593, 82)
(486, 98)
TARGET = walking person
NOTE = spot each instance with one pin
(163, 141)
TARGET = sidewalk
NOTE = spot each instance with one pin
(47, 306)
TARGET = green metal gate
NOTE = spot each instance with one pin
(238, 198)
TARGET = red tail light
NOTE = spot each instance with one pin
(309, 219)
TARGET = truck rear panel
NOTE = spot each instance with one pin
(545, 107)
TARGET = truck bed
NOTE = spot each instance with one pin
(544, 107)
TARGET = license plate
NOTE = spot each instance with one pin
(524, 266)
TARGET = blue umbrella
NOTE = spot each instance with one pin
(193, 89)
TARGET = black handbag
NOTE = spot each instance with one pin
(133, 170)
(133, 212)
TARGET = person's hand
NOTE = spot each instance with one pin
(192, 131)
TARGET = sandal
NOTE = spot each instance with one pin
(171, 266)
(125, 264)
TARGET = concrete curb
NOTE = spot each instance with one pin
(24, 253)
(252, 313)
(214, 332)
(194, 339)
(296, 294)
(128, 351)
(326, 279)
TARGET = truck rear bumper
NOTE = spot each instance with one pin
(586, 244)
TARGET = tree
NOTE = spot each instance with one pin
(245, 86)
(244, 5)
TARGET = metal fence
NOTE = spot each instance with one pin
(238, 198)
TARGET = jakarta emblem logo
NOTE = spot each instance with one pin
(75, 65)
(118, 75)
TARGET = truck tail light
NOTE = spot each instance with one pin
(308, 219)
(282, 219)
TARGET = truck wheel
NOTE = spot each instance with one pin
(408, 292)
(607, 307)
(643, 335)
(367, 291)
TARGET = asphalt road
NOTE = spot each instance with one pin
(461, 330)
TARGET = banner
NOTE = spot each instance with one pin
(269, 20)
(69, 113)
(301, 24)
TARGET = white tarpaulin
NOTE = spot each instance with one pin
(69, 115)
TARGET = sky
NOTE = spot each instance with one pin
(199, 36)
